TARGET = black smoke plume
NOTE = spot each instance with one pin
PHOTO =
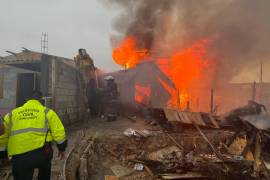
(241, 28)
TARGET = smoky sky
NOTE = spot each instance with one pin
(70, 24)
(241, 29)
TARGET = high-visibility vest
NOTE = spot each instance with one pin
(29, 126)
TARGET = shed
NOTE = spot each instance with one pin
(56, 77)
(143, 85)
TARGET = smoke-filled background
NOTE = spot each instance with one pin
(240, 29)
(207, 44)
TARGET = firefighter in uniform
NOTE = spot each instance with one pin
(111, 90)
(88, 80)
(29, 133)
(86, 66)
(111, 99)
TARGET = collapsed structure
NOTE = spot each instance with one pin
(237, 150)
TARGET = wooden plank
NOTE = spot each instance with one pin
(214, 122)
(107, 177)
(199, 118)
(208, 142)
(171, 115)
(149, 171)
(181, 117)
(177, 117)
(120, 171)
(194, 118)
(185, 118)
(188, 175)
(175, 142)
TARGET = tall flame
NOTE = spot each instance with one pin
(186, 65)
(127, 54)
(190, 68)
(187, 68)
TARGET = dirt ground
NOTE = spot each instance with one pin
(111, 149)
(94, 127)
(111, 144)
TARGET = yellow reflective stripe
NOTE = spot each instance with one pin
(61, 141)
(20, 131)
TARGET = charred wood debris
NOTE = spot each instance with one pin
(237, 147)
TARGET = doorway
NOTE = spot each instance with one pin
(26, 84)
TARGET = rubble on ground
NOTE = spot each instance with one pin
(158, 157)
(161, 152)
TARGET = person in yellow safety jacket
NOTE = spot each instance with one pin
(29, 133)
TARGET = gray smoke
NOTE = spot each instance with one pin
(241, 28)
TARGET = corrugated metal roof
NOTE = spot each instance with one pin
(186, 117)
(22, 57)
(27, 56)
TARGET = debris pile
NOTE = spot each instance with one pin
(195, 153)
(159, 157)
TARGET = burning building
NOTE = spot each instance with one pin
(142, 85)
(197, 46)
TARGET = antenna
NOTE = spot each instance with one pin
(44, 43)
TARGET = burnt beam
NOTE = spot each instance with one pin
(25, 49)
(10, 52)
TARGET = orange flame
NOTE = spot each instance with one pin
(178, 99)
(142, 94)
(186, 66)
(127, 54)
(188, 69)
